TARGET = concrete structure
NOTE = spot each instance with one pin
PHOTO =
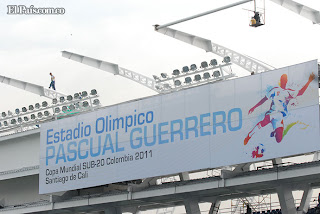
(19, 168)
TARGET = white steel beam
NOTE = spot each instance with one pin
(30, 87)
(300, 9)
(202, 14)
(244, 62)
(111, 68)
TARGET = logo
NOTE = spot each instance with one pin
(32, 10)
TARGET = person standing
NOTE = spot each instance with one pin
(53, 82)
(249, 211)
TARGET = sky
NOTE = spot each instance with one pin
(122, 32)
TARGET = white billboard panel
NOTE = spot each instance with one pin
(264, 116)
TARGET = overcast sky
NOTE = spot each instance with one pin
(121, 32)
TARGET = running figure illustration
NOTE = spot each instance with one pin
(280, 98)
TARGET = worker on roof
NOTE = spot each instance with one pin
(53, 82)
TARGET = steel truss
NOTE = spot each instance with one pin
(30, 87)
(243, 61)
(111, 68)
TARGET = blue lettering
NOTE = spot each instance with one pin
(141, 114)
(62, 137)
(49, 136)
(238, 110)
(48, 155)
(69, 134)
(117, 122)
(61, 154)
(98, 131)
(92, 154)
(135, 118)
(161, 141)
(149, 120)
(174, 132)
(76, 130)
(118, 149)
(105, 147)
(194, 128)
(215, 124)
(127, 122)
(153, 134)
(138, 139)
(87, 130)
(81, 149)
(72, 151)
(56, 137)
(203, 124)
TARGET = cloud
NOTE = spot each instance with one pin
(121, 32)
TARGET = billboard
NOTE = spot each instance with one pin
(259, 117)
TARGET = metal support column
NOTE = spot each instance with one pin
(112, 210)
(192, 206)
(184, 176)
(215, 207)
(133, 210)
(2, 203)
(286, 200)
(276, 162)
(305, 201)
(316, 156)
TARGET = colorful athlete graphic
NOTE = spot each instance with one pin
(280, 98)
